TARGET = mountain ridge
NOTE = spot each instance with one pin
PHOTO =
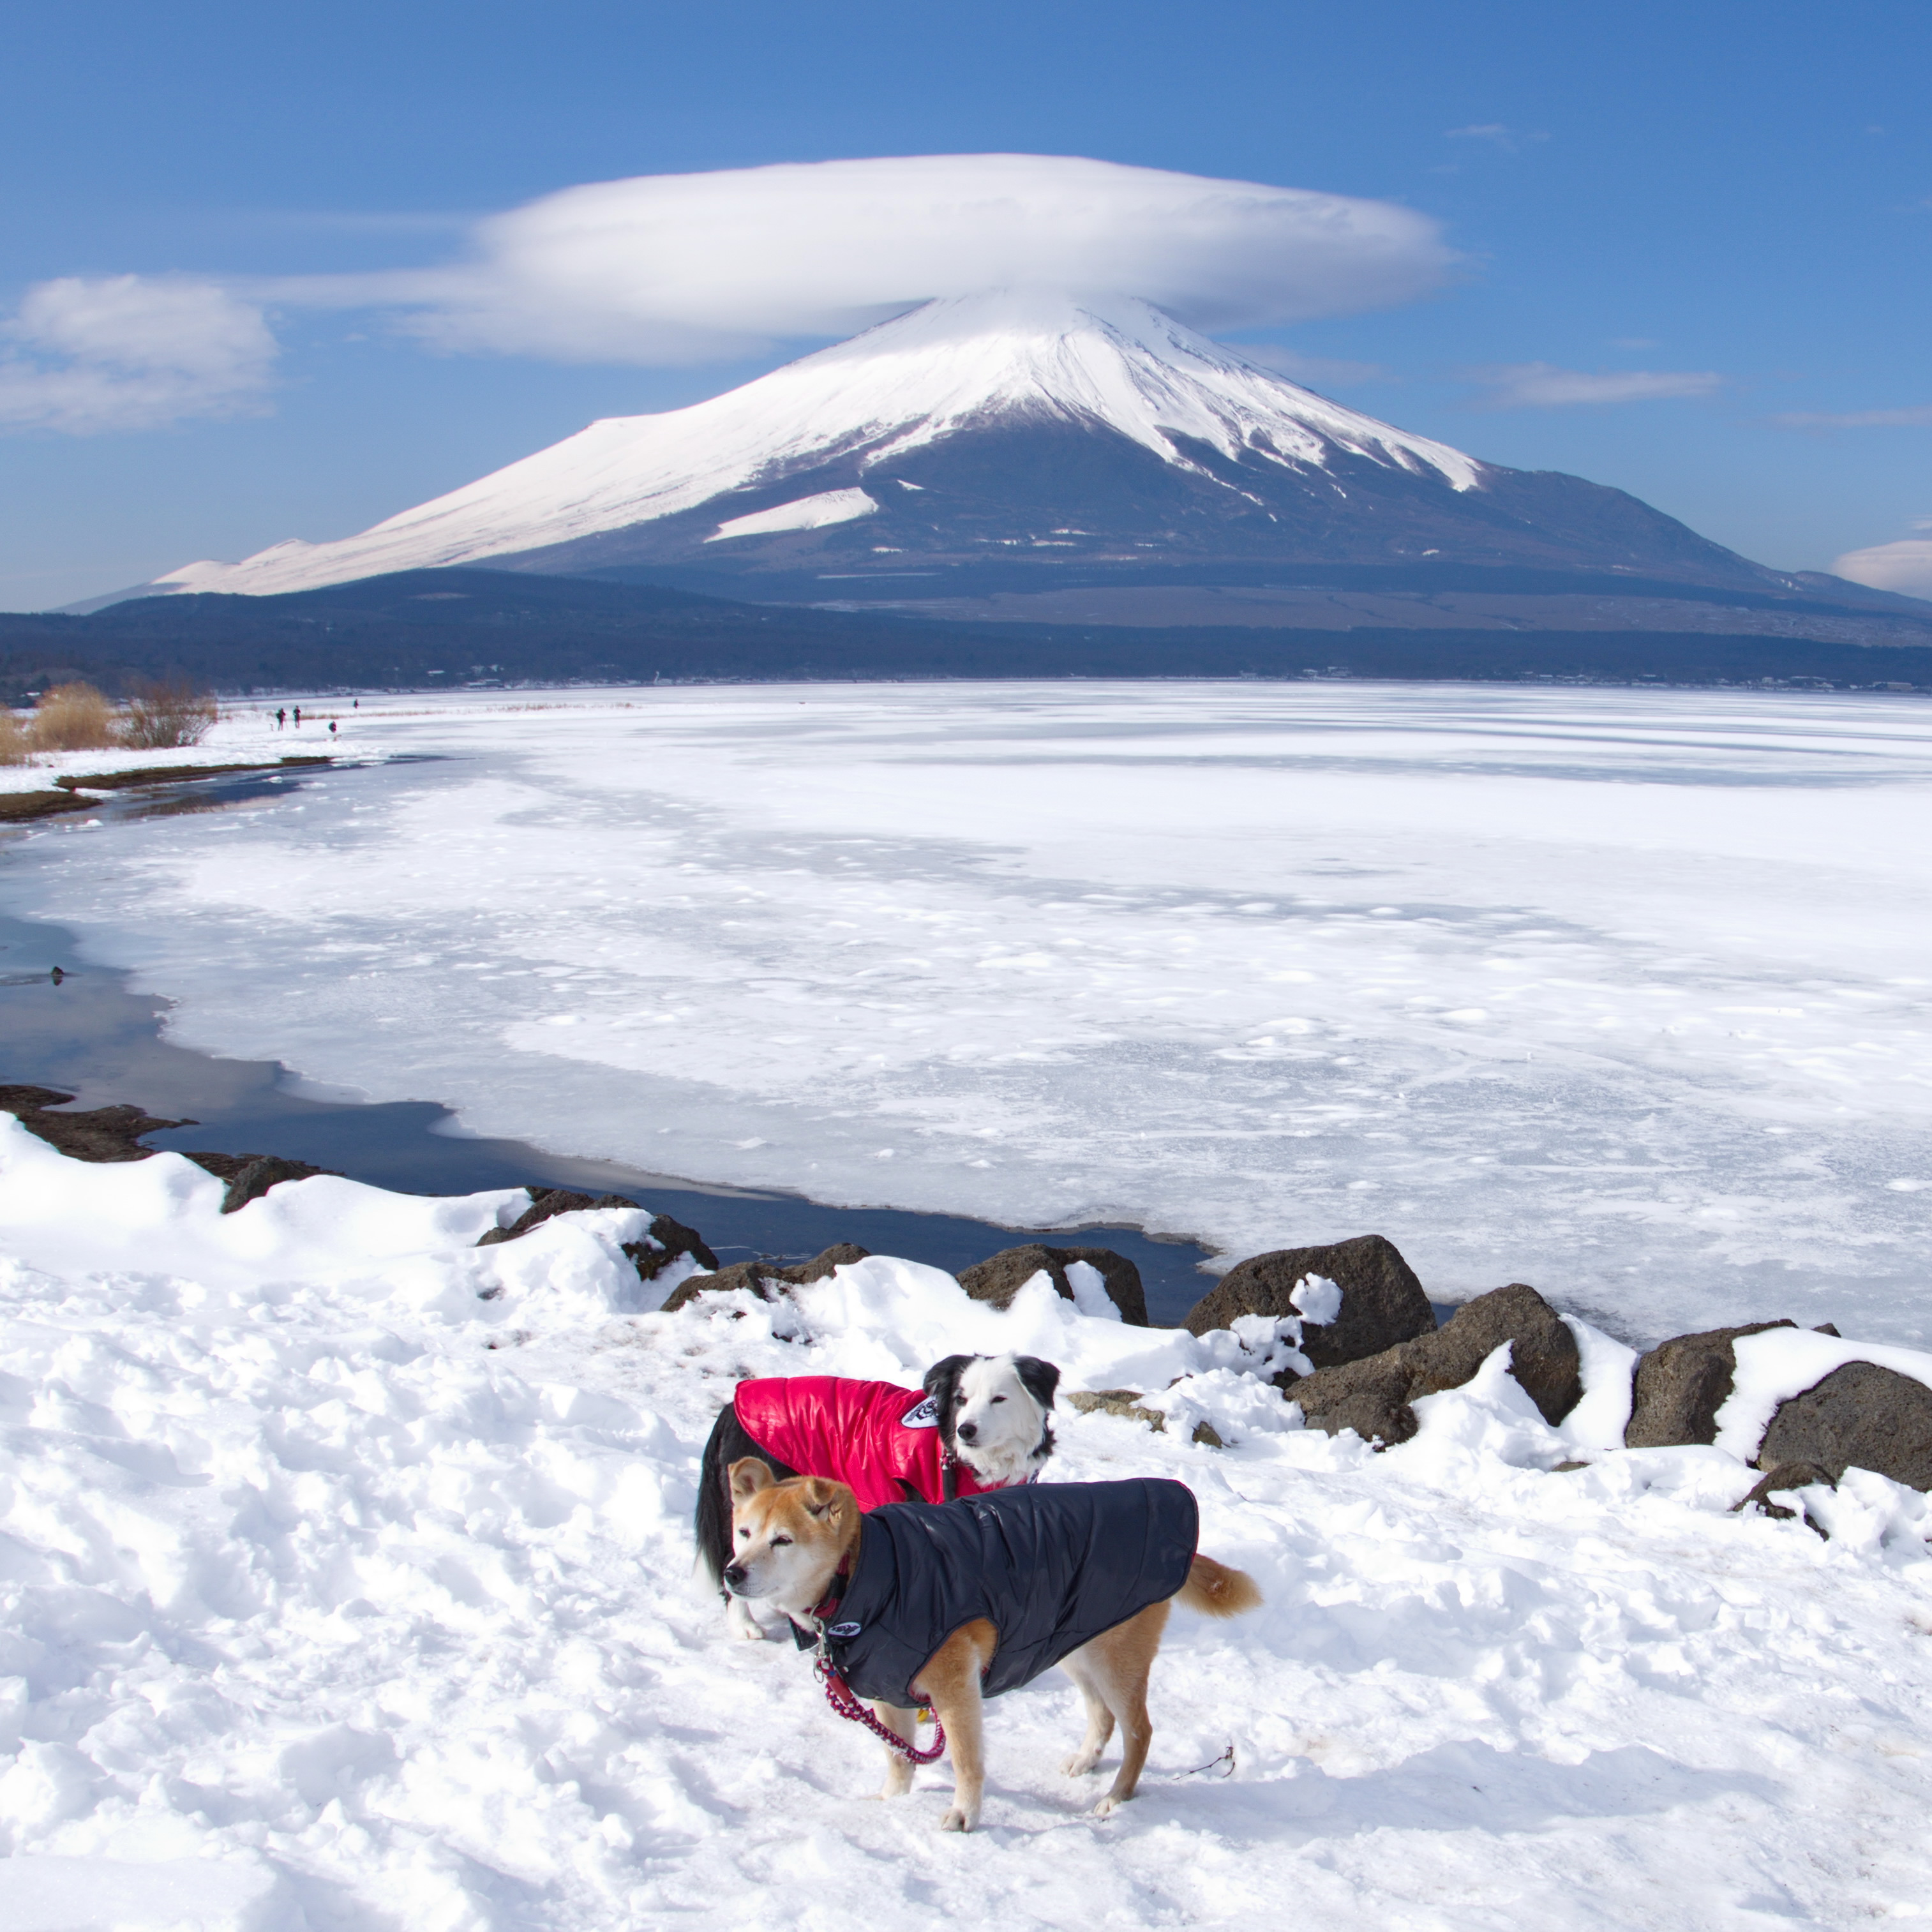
(1019, 426)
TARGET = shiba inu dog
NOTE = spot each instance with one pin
(981, 1422)
(917, 1604)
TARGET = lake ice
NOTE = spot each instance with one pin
(1624, 993)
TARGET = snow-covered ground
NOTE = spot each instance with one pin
(1623, 994)
(333, 1596)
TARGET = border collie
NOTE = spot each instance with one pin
(981, 1422)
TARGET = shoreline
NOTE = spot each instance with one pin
(90, 1033)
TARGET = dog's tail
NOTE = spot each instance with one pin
(1216, 1591)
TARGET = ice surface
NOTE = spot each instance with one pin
(335, 1595)
(1622, 993)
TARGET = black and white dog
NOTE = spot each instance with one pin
(982, 1422)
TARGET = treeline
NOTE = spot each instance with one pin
(443, 628)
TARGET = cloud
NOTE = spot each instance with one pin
(1910, 418)
(1334, 371)
(1905, 567)
(687, 269)
(1543, 385)
(130, 352)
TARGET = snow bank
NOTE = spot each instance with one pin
(334, 1593)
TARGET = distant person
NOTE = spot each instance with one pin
(355, 704)
(281, 719)
(298, 717)
(331, 727)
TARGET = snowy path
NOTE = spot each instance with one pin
(333, 1596)
(1624, 993)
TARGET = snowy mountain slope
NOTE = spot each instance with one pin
(1010, 424)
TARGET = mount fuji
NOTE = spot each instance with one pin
(1040, 439)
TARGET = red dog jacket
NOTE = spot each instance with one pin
(879, 1439)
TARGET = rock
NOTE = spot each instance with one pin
(1373, 1396)
(249, 1176)
(1127, 1403)
(1859, 1417)
(546, 1203)
(103, 1134)
(1382, 1302)
(1681, 1383)
(673, 1238)
(1828, 1328)
(669, 1238)
(1542, 1353)
(1114, 1402)
(1370, 1397)
(766, 1279)
(1000, 1277)
(1785, 1476)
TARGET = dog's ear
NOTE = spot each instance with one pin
(748, 1476)
(821, 1496)
(1040, 1379)
(944, 1376)
(942, 1383)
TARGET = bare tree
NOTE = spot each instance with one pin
(164, 715)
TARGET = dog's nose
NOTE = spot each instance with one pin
(734, 1576)
(967, 1432)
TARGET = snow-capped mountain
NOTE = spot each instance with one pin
(1011, 426)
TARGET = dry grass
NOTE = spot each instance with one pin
(74, 718)
(13, 745)
(166, 716)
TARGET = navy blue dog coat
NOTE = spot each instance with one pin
(1051, 1567)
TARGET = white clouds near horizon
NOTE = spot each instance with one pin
(1543, 385)
(87, 355)
(1905, 567)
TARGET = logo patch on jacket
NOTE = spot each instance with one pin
(841, 1631)
(921, 1415)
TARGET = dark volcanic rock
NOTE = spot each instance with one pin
(103, 1134)
(1785, 1476)
(1382, 1302)
(546, 1203)
(1681, 1383)
(1372, 1397)
(1000, 1277)
(766, 1279)
(249, 1176)
(1542, 1353)
(1859, 1417)
(673, 1238)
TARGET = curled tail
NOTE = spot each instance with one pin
(1216, 1591)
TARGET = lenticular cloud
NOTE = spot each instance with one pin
(693, 268)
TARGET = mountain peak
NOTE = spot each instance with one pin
(1026, 358)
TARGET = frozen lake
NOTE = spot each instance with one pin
(1624, 993)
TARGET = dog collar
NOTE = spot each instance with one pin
(836, 1595)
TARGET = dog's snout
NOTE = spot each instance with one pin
(734, 1576)
(967, 1432)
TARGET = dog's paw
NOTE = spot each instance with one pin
(957, 1820)
(1108, 1805)
(1081, 1763)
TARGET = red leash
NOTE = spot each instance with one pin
(838, 1695)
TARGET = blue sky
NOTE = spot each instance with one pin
(1731, 202)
